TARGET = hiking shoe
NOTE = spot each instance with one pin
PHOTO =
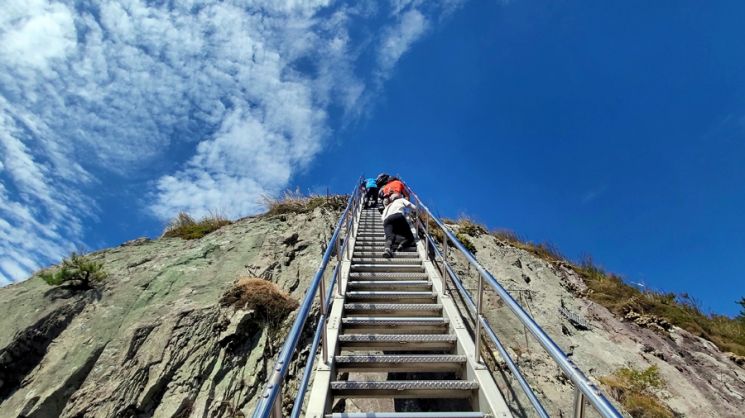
(387, 253)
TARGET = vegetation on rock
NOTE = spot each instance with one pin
(262, 296)
(296, 202)
(186, 227)
(612, 292)
(635, 390)
(77, 271)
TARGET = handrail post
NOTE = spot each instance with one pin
(477, 333)
(338, 268)
(426, 229)
(277, 407)
(324, 342)
(579, 404)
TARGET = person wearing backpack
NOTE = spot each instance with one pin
(371, 193)
(391, 187)
(398, 233)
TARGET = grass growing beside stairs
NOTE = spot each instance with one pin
(611, 291)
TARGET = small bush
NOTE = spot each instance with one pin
(463, 238)
(469, 227)
(296, 202)
(269, 302)
(635, 390)
(185, 227)
(76, 271)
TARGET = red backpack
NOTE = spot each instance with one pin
(395, 186)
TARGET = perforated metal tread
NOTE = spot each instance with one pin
(407, 254)
(405, 388)
(388, 268)
(380, 260)
(401, 358)
(407, 415)
(394, 306)
(366, 320)
(415, 338)
(386, 275)
(420, 363)
(390, 294)
(357, 284)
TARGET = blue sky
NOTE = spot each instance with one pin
(611, 129)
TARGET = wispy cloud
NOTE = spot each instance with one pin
(239, 93)
(594, 193)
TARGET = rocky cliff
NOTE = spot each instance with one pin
(697, 379)
(153, 339)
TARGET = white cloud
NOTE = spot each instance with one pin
(240, 93)
(398, 39)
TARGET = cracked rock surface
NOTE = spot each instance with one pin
(153, 339)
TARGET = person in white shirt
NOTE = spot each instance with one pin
(397, 230)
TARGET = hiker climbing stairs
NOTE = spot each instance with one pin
(396, 341)
(391, 342)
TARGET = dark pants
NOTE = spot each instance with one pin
(371, 197)
(397, 232)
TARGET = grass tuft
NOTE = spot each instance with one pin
(296, 202)
(635, 390)
(262, 296)
(185, 227)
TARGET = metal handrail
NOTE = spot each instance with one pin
(583, 387)
(268, 404)
(471, 306)
(303, 387)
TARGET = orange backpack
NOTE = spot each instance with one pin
(395, 186)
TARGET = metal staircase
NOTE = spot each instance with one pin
(393, 340)
(396, 340)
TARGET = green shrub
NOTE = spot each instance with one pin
(635, 390)
(77, 271)
(185, 227)
(296, 202)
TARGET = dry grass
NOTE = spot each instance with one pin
(635, 390)
(611, 291)
(186, 227)
(262, 296)
(296, 202)
(619, 297)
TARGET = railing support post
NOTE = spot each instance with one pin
(324, 342)
(477, 333)
(338, 268)
(277, 407)
(579, 404)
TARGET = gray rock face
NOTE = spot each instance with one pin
(701, 380)
(153, 339)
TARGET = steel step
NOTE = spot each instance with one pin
(406, 415)
(397, 342)
(398, 389)
(394, 325)
(402, 309)
(391, 296)
(382, 260)
(388, 268)
(372, 275)
(390, 285)
(423, 363)
(370, 254)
